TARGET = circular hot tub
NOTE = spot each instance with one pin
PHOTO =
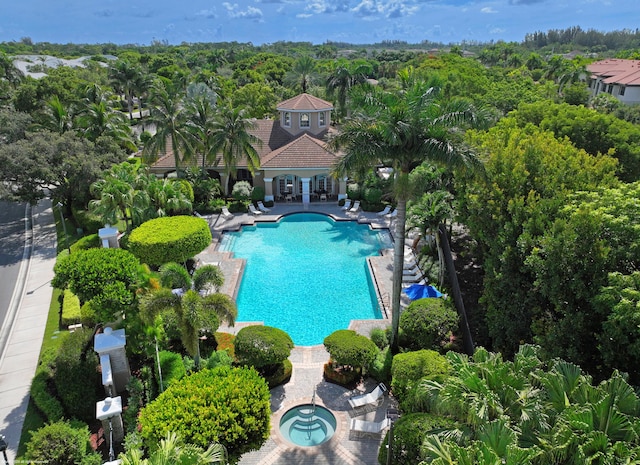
(308, 425)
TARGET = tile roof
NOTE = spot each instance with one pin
(617, 71)
(303, 152)
(305, 102)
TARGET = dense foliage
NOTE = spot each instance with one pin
(226, 405)
(346, 347)
(262, 346)
(62, 443)
(427, 324)
(169, 239)
(410, 367)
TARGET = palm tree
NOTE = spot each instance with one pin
(125, 78)
(168, 114)
(171, 451)
(402, 130)
(303, 73)
(231, 138)
(189, 299)
(57, 117)
(201, 110)
(165, 196)
(342, 78)
(99, 119)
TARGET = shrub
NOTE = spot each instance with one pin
(410, 367)
(427, 324)
(281, 375)
(219, 358)
(373, 195)
(45, 401)
(409, 432)
(89, 222)
(238, 207)
(257, 193)
(88, 272)
(354, 192)
(172, 367)
(186, 188)
(76, 375)
(380, 368)
(225, 341)
(263, 347)
(62, 443)
(86, 242)
(241, 191)
(380, 338)
(346, 347)
(227, 405)
(169, 239)
(71, 314)
(88, 315)
(135, 401)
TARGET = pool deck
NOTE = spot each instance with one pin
(344, 448)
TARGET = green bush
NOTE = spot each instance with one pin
(428, 324)
(380, 368)
(238, 207)
(281, 375)
(346, 347)
(45, 401)
(372, 195)
(219, 358)
(172, 367)
(76, 375)
(169, 239)
(409, 432)
(88, 272)
(410, 367)
(227, 405)
(263, 347)
(86, 242)
(88, 315)
(257, 193)
(89, 222)
(135, 401)
(187, 189)
(354, 192)
(71, 314)
(380, 338)
(62, 443)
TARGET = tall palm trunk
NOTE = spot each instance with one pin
(398, 265)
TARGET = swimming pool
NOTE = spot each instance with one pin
(306, 274)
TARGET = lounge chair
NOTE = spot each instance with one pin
(262, 208)
(411, 271)
(355, 208)
(369, 427)
(386, 210)
(254, 211)
(393, 214)
(412, 278)
(225, 213)
(373, 397)
(347, 204)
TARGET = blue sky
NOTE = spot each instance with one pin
(316, 21)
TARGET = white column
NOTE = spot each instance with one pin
(342, 189)
(268, 189)
(305, 190)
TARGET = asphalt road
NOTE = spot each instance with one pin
(12, 242)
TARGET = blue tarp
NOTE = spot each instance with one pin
(421, 291)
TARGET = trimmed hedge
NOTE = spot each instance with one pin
(169, 239)
(227, 405)
(47, 404)
(346, 347)
(62, 443)
(427, 324)
(262, 346)
(410, 367)
(86, 242)
(71, 314)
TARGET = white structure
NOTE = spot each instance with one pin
(618, 77)
(111, 343)
(108, 237)
(109, 412)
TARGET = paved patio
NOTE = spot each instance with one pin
(344, 448)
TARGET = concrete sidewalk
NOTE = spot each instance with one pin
(26, 324)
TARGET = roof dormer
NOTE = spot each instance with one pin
(305, 113)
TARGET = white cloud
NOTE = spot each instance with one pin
(209, 14)
(304, 15)
(388, 9)
(497, 30)
(327, 6)
(488, 9)
(250, 13)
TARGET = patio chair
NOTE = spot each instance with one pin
(254, 211)
(262, 208)
(369, 427)
(393, 214)
(347, 204)
(225, 213)
(355, 208)
(373, 397)
(386, 210)
(412, 278)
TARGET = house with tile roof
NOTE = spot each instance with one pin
(295, 163)
(618, 77)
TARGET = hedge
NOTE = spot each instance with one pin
(46, 403)
(86, 242)
(172, 367)
(346, 347)
(427, 324)
(70, 309)
(62, 443)
(169, 239)
(262, 346)
(410, 367)
(227, 405)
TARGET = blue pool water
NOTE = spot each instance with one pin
(306, 274)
